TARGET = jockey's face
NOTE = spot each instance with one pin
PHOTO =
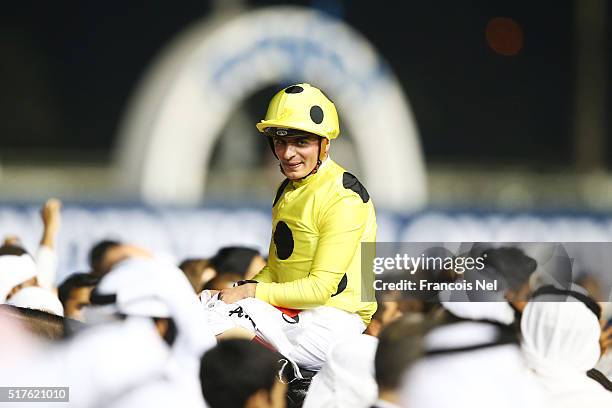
(298, 155)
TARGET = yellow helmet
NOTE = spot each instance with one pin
(302, 107)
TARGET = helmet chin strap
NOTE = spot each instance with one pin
(322, 148)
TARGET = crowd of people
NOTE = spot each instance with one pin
(136, 330)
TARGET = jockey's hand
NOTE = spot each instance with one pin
(237, 293)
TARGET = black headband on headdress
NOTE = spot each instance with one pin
(506, 335)
(586, 300)
(98, 299)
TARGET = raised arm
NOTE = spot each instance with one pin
(46, 258)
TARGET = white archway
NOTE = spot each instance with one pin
(180, 108)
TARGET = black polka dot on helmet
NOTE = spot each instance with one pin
(316, 114)
(294, 89)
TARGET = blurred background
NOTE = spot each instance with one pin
(466, 120)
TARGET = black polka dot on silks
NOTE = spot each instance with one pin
(294, 89)
(283, 240)
(280, 190)
(350, 182)
(316, 114)
(341, 285)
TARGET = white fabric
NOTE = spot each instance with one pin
(304, 342)
(561, 343)
(122, 364)
(496, 311)
(139, 287)
(494, 376)
(46, 261)
(177, 387)
(16, 342)
(33, 297)
(485, 378)
(347, 378)
(462, 334)
(15, 270)
(183, 391)
(99, 365)
(153, 288)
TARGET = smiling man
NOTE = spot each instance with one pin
(320, 216)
